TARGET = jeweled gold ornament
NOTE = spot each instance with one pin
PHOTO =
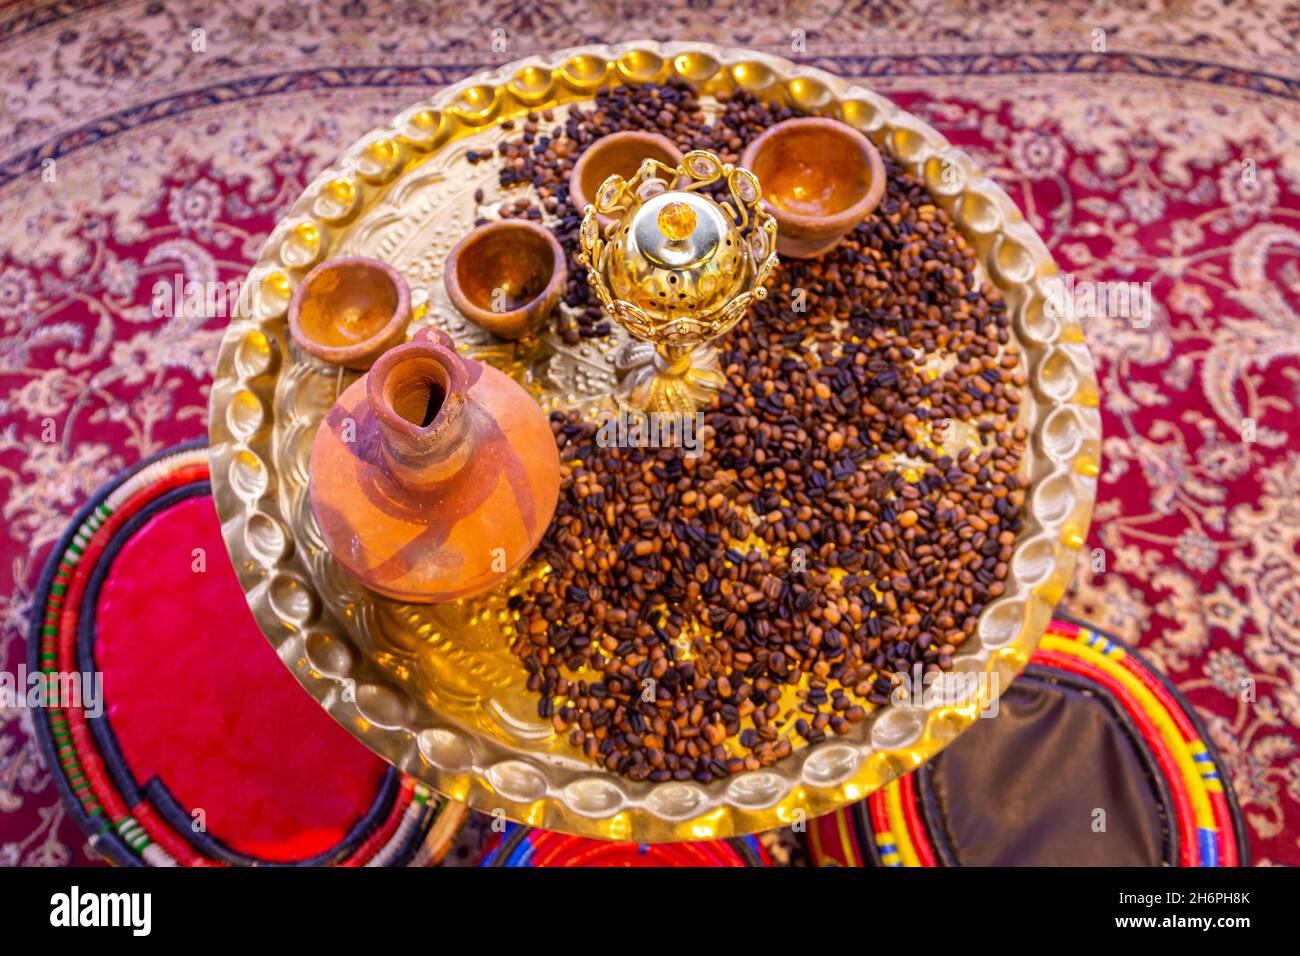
(677, 269)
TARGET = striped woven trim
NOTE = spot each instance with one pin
(131, 831)
(81, 766)
(888, 828)
(523, 846)
(1214, 838)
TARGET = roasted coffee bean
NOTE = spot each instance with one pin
(702, 615)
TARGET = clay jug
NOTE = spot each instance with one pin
(433, 476)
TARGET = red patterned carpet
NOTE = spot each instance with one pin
(1130, 164)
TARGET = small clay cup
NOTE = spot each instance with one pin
(350, 311)
(621, 153)
(519, 257)
(820, 178)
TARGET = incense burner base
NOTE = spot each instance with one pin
(653, 382)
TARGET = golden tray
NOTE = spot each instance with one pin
(436, 690)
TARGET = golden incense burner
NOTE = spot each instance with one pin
(677, 270)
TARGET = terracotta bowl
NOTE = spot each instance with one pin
(820, 178)
(621, 153)
(350, 311)
(506, 276)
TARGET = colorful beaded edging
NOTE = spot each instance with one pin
(133, 824)
(889, 827)
(523, 846)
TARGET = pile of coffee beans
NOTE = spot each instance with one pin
(701, 616)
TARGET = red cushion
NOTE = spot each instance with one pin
(197, 697)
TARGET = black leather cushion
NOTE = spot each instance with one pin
(1059, 748)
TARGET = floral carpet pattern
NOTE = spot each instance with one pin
(128, 156)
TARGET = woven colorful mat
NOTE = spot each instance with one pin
(196, 747)
(1094, 759)
(1128, 163)
(523, 846)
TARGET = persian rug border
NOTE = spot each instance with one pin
(855, 67)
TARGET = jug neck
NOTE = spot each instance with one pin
(419, 395)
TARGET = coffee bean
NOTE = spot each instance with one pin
(795, 555)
